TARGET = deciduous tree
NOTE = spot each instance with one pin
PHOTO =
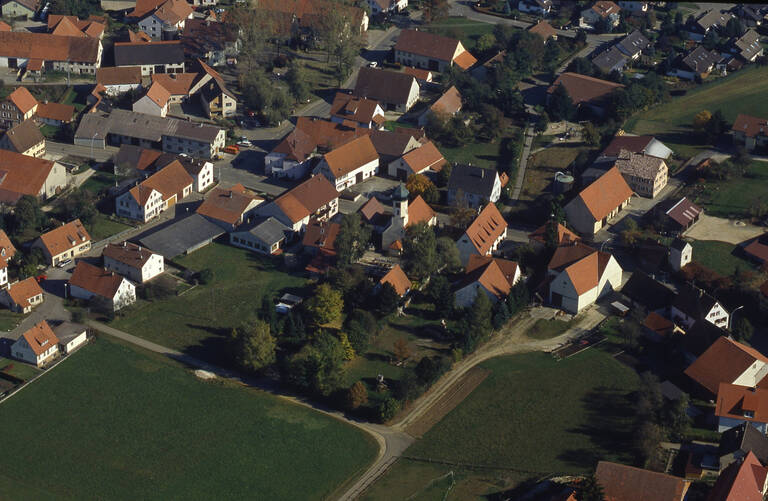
(420, 251)
(255, 347)
(357, 395)
(352, 239)
(325, 305)
(401, 349)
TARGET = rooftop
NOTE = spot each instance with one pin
(65, 237)
(723, 362)
(40, 338)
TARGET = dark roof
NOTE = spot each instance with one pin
(611, 59)
(269, 230)
(700, 336)
(181, 236)
(390, 144)
(682, 212)
(693, 302)
(24, 136)
(143, 126)
(700, 60)
(624, 483)
(678, 244)
(745, 438)
(647, 291)
(201, 36)
(427, 44)
(749, 44)
(758, 248)
(633, 43)
(633, 144)
(135, 54)
(383, 85)
(471, 179)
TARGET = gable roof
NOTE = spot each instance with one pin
(115, 75)
(693, 302)
(419, 211)
(427, 44)
(67, 28)
(56, 111)
(658, 324)
(22, 175)
(741, 481)
(128, 253)
(564, 235)
(384, 85)
(65, 237)
(173, 11)
(419, 74)
(566, 255)
(713, 18)
(496, 275)
(746, 438)
(627, 483)
(40, 338)
(748, 44)
(425, 157)
(605, 8)
(24, 135)
(543, 29)
(145, 53)
(227, 205)
(700, 60)
(312, 133)
(472, 179)
(96, 280)
(168, 181)
(374, 212)
(611, 59)
(605, 194)
(175, 83)
(22, 99)
(449, 103)
(158, 94)
(735, 401)
(639, 164)
(683, 212)
(393, 144)
(349, 107)
(634, 43)
(583, 274)
(350, 156)
(268, 230)
(634, 144)
(584, 89)
(397, 278)
(48, 47)
(750, 126)
(487, 227)
(7, 250)
(321, 236)
(723, 362)
(306, 198)
(21, 292)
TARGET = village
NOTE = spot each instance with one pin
(498, 250)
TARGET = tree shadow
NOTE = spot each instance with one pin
(213, 349)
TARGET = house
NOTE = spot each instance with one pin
(420, 160)
(55, 114)
(602, 11)
(611, 60)
(181, 236)
(37, 346)
(483, 235)
(476, 186)
(64, 243)
(421, 49)
(350, 163)
(752, 132)
(647, 145)
(33, 53)
(151, 57)
(579, 275)
(374, 213)
(154, 102)
(25, 139)
(305, 19)
(712, 19)
(535, 7)
(698, 63)
(217, 100)
(756, 250)
(310, 138)
(320, 238)
(385, 6)
(169, 134)
(146, 161)
(446, 106)
(699, 337)
(133, 261)
(26, 175)
(91, 283)
(560, 235)
(366, 113)
(24, 9)
(627, 483)
(93, 27)
(598, 203)
(17, 107)
(680, 254)
(314, 198)
(494, 276)
(657, 327)
(737, 442)
(750, 15)
(646, 175)
(7, 250)
(748, 46)
(213, 42)
(743, 480)
(634, 7)
(678, 215)
(728, 361)
(395, 91)
(397, 278)
(421, 75)
(691, 304)
(159, 192)
(22, 296)
(265, 236)
(738, 404)
(117, 80)
(229, 208)
(167, 19)
(179, 85)
(393, 145)
(586, 91)
(633, 44)
(404, 214)
(544, 30)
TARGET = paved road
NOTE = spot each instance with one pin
(523, 163)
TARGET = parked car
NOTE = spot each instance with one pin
(372, 64)
(232, 149)
(65, 263)
(244, 142)
(40, 278)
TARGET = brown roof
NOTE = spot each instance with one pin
(418, 73)
(757, 248)
(170, 180)
(128, 253)
(227, 205)
(449, 103)
(488, 226)
(465, 60)
(634, 144)
(684, 211)
(22, 99)
(384, 85)
(67, 28)
(419, 211)
(56, 111)
(564, 235)
(394, 144)
(350, 156)
(311, 133)
(24, 175)
(658, 324)
(21, 292)
(65, 237)
(117, 75)
(96, 279)
(158, 94)
(321, 236)
(750, 126)
(144, 7)
(173, 11)
(138, 36)
(639, 164)
(723, 362)
(735, 401)
(5, 26)
(397, 278)
(605, 194)
(24, 136)
(357, 109)
(740, 481)
(585, 273)
(40, 337)
(496, 275)
(543, 29)
(604, 8)
(7, 250)
(373, 209)
(175, 83)
(47, 47)
(425, 157)
(565, 255)
(306, 198)
(427, 44)
(584, 89)
(627, 483)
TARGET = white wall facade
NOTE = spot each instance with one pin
(277, 165)
(154, 266)
(149, 107)
(22, 351)
(351, 178)
(678, 259)
(467, 248)
(74, 343)
(125, 295)
(126, 206)
(726, 423)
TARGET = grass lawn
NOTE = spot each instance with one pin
(200, 321)
(49, 131)
(543, 165)
(98, 181)
(466, 30)
(134, 425)
(10, 320)
(734, 197)
(547, 329)
(534, 416)
(104, 227)
(18, 369)
(487, 155)
(742, 92)
(719, 257)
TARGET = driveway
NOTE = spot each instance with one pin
(52, 308)
(723, 230)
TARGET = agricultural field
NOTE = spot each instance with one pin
(135, 425)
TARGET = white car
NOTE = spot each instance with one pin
(244, 143)
(372, 64)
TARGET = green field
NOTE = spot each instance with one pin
(466, 30)
(544, 164)
(18, 369)
(719, 257)
(743, 92)
(122, 424)
(200, 321)
(532, 416)
(98, 181)
(103, 227)
(736, 196)
(10, 320)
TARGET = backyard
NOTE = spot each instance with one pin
(10, 320)
(466, 30)
(545, 417)
(719, 257)
(134, 425)
(543, 165)
(734, 197)
(103, 227)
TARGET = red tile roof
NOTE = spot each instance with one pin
(306, 198)
(465, 60)
(357, 109)
(584, 89)
(487, 227)
(48, 47)
(428, 45)
(228, 205)
(449, 103)
(419, 211)
(723, 362)
(24, 175)
(65, 237)
(321, 236)
(56, 111)
(119, 75)
(96, 280)
(372, 208)
(158, 94)
(734, 401)
(425, 157)
(311, 133)
(21, 292)
(128, 253)
(66, 28)
(5, 26)
(740, 481)
(397, 278)
(564, 235)
(40, 338)
(627, 483)
(543, 29)
(7, 250)
(22, 99)
(168, 181)
(350, 156)
(605, 194)
(757, 248)
(658, 324)
(418, 73)
(633, 144)
(175, 83)
(750, 126)
(496, 275)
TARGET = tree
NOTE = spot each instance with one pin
(387, 299)
(711, 40)
(590, 134)
(319, 366)
(476, 325)
(420, 251)
(589, 489)
(448, 254)
(631, 233)
(255, 347)
(439, 293)
(352, 239)
(78, 203)
(28, 215)
(582, 65)
(647, 440)
(294, 331)
(419, 184)
(205, 276)
(742, 329)
(676, 418)
(492, 119)
(326, 305)
(444, 175)
(486, 42)
(734, 28)
(401, 349)
(715, 127)
(430, 368)
(435, 10)
(542, 122)
(560, 106)
(700, 120)
(388, 409)
(357, 395)
(349, 351)
(360, 326)
(297, 82)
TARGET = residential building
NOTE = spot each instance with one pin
(395, 91)
(698, 63)
(22, 296)
(71, 336)
(678, 215)
(646, 175)
(24, 9)
(560, 235)
(586, 91)
(386, 6)
(180, 86)
(536, 7)
(737, 442)
(446, 106)
(392, 145)
(133, 261)
(147, 161)
(350, 163)
(55, 114)
(611, 60)
(756, 250)
(366, 113)
(752, 132)
(167, 20)
(748, 46)
(483, 235)
(24, 139)
(743, 480)
(712, 19)
(418, 161)
(699, 337)
(404, 214)
(736, 405)
(691, 304)
(422, 76)
(751, 15)
(154, 102)
(34, 53)
(602, 11)
(475, 185)
(231, 207)
(151, 57)
(598, 203)
(397, 278)
(17, 107)
(647, 145)
(320, 241)
(633, 44)
(544, 30)
(422, 49)
(579, 275)
(117, 80)
(93, 27)
(37, 346)
(315, 198)
(728, 361)
(64, 243)
(680, 254)
(7, 250)
(493, 276)
(217, 100)
(93, 283)
(265, 236)
(634, 7)
(211, 41)
(648, 293)
(627, 483)
(156, 194)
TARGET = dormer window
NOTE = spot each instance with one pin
(749, 414)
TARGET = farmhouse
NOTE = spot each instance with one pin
(37, 52)
(397, 278)
(231, 207)
(362, 112)
(350, 163)
(154, 102)
(151, 57)
(418, 161)
(157, 193)
(728, 361)
(93, 27)
(133, 261)
(211, 41)
(484, 234)
(421, 49)
(37, 346)
(55, 114)
(91, 282)
(392, 145)
(25, 175)
(627, 483)
(738, 404)
(476, 185)
(647, 145)
(646, 175)
(493, 276)
(394, 90)
(743, 480)
(17, 107)
(117, 80)
(166, 20)
(446, 106)
(598, 203)
(64, 243)
(314, 198)
(692, 304)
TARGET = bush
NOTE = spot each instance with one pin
(388, 409)
(205, 276)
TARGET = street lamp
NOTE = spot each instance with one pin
(92, 139)
(730, 317)
(603, 244)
